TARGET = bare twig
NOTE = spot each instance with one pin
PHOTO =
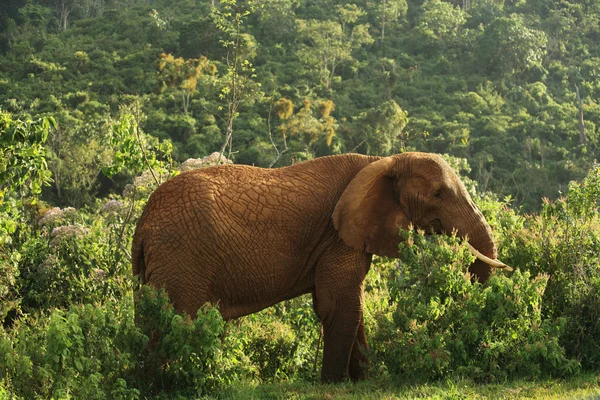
(139, 140)
(232, 96)
(279, 153)
(357, 146)
(318, 347)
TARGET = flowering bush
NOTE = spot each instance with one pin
(56, 214)
(213, 159)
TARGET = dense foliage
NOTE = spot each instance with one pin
(101, 101)
(511, 86)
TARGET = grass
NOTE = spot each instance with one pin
(581, 387)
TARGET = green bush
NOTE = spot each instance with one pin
(280, 342)
(87, 352)
(564, 242)
(441, 323)
(182, 350)
(98, 350)
(271, 347)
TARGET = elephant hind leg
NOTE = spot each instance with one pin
(187, 291)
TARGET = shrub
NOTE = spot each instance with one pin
(70, 261)
(281, 341)
(278, 343)
(181, 350)
(564, 242)
(442, 324)
(271, 346)
(84, 352)
(96, 351)
(67, 295)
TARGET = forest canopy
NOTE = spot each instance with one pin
(512, 86)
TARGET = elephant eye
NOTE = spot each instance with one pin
(438, 194)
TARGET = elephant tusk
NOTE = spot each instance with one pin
(487, 260)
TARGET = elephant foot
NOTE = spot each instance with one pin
(359, 362)
(333, 378)
(357, 370)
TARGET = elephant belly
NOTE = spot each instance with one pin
(260, 261)
(245, 288)
(239, 283)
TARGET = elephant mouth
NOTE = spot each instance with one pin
(436, 226)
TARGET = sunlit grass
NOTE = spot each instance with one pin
(581, 387)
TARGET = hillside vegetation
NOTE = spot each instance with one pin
(512, 86)
(101, 101)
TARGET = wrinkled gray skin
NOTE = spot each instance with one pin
(246, 238)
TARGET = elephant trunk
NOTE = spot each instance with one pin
(482, 239)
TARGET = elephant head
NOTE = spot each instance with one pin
(415, 189)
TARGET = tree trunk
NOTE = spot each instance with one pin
(582, 136)
(63, 10)
(382, 22)
(186, 101)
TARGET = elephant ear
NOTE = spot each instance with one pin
(367, 215)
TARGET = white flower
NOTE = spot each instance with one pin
(128, 190)
(112, 207)
(190, 164)
(98, 274)
(49, 263)
(145, 179)
(56, 214)
(60, 233)
(52, 215)
(213, 159)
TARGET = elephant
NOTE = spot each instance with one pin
(246, 238)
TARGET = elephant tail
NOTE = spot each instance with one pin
(137, 258)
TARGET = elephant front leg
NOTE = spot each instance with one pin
(339, 330)
(338, 301)
(358, 359)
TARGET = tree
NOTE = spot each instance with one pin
(76, 155)
(183, 75)
(326, 44)
(63, 9)
(382, 129)
(440, 19)
(509, 47)
(23, 173)
(91, 8)
(236, 84)
(305, 124)
(23, 167)
(276, 22)
(386, 12)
